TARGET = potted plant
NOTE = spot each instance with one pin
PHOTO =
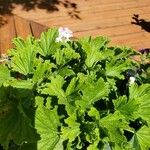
(57, 93)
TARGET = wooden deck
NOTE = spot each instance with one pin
(17, 26)
(112, 18)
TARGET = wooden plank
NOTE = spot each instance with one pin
(111, 31)
(94, 24)
(135, 46)
(129, 39)
(94, 14)
(86, 5)
(101, 20)
(7, 33)
(37, 29)
(22, 27)
(140, 45)
(83, 6)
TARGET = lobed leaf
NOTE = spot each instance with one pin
(15, 126)
(46, 45)
(92, 49)
(23, 56)
(4, 74)
(72, 130)
(93, 92)
(140, 140)
(46, 124)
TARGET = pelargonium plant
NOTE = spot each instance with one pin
(63, 94)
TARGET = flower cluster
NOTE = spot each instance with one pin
(64, 35)
(131, 80)
(4, 58)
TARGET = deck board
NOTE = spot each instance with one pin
(7, 33)
(22, 27)
(110, 18)
(37, 28)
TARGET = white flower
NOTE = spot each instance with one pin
(4, 58)
(58, 39)
(64, 35)
(131, 80)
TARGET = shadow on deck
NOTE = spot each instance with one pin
(7, 7)
(145, 25)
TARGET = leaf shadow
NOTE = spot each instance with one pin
(2, 21)
(7, 7)
(145, 25)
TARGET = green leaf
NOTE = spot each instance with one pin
(46, 45)
(144, 109)
(4, 74)
(70, 54)
(140, 140)
(72, 86)
(93, 146)
(115, 123)
(65, 71)
(27, 146)
(92, 49)
(107, 146)
(116, 68)
(127, 108)
(93, 92)
(3, 94)
(76, 84)
(65, 55)
(141, 94)
(59, 56)
(93, 112)
(72, 94)
(123, 53)
(21, 84)
(47, 123)
(73, 129)
(10, 94)
(15, 126)
(96, 138)
(91, 132)
(54, 88)
(138, 91)
(43, 70)
(23, 56)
